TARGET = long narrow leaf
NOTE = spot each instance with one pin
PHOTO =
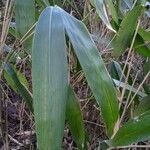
(20, 77)
(144, 34)
(55, 2)
(115, 70)
(125, 34)
(25, 18)
(49, 72)
(112, 10)
(140, 46)
(143, 106)
(75, 120)
(15, 84)
(135, 130)
(101, 10)
(94, 69)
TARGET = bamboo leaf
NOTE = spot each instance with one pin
(56, 2)
(143, 106)
(115, 70)
(25, 15)
(135, 130)
(94, 69)
(20, 77)
(125, 34)
(49, 72)
(112, 10)
(144, 34)
(143, 50)
(73, 112)
(101, 10)
(13, 80)
(140, 47)
(146, 67)
(25, 18)
(75, 120)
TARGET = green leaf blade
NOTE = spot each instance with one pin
(75, 120)
(25, 15)
(135, 130)
(144, 34)
(140, 46)
(125, 34)
(25, 18)
(50, 81)
(94, 69)
(101, 11)
(143, 106)
(13, 80)
(112, 10)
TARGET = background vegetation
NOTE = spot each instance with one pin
(74, 74)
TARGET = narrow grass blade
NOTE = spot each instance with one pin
(143, 50)
(101, 10)
(125, 34)
(143, 106)
(128, 87)
(112, 10)
(116, 71)
(140, 46)
(147, 67)
(144, 34)
(75, 120)
(94, 69)
(25, 18)
(56, 2)
(20, 77)
(13, 80)
(135, 130)
(24, 15)
(50, 79)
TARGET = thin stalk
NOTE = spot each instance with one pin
(129, 53)
(116, 128)
(125, 108)
(129, 146)
(27, 33)
(139, 88)
(6, 22)
(126, 80)
(3, 25)
(26, 38)
(134, 4)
